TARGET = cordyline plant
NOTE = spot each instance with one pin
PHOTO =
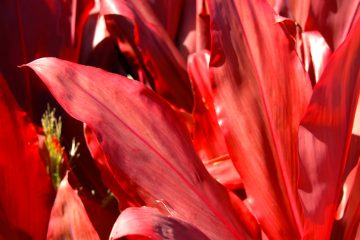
(206, 119)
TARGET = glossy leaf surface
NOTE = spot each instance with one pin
(144, 147)
(325, 135)
(260, 103)
(208, 139)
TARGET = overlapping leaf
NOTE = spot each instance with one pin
(208, 139)
(153, 150)
(316, 54)
(334, 19)
(325, 135)
(261, 91)
(134, 22)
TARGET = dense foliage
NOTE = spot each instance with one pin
(182, 119)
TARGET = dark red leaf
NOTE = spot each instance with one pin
(26, 188)
(202, 26)
(153, 151)
(68, 218)
(101, 214)
(168, 13)
(324, 137)
(261, 91)
(149, 222)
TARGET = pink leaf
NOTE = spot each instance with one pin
(149, 222)
(153, 151)
(325, 134)
(68, 218)
(317, 54)
(261, 92)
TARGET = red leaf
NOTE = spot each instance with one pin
(153, 150)
(334, 19)
(325, 134)
(68, 218)
(261, 93)
(135, 22)
(26, 189)
(149, 222)
(208, 139)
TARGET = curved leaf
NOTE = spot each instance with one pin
(260, 91)
(325, 135)
(208, 139)
(144, 141)
(150, 223)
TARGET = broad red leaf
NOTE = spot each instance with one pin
(260, 93)
(26, 191)
(316, 54)
(325, 134)
(135, 22)
(208, 139)
(334, 19)
(68, 216)
(153, 150)
(149, 222)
